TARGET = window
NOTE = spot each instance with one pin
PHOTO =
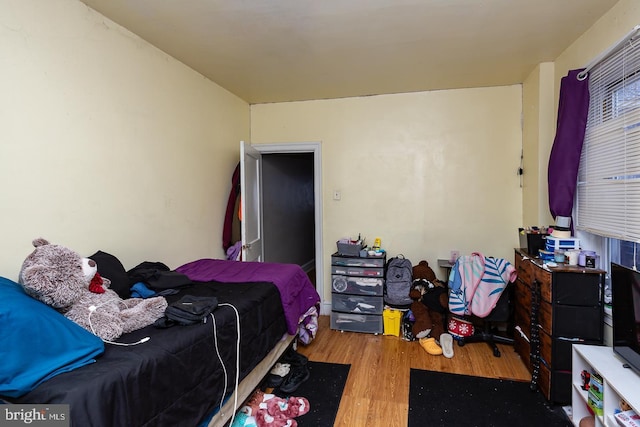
(625, 253)
(608, 191)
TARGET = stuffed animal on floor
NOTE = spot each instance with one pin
(269, 410)
(433, 296)
(422, 325)
(61, 278)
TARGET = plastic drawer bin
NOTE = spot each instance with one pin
(368, 323)
(344, 261)
(357, 285)
(392, 319)
(556, 243)
(349, 249)
(359, 304)
(357, 271)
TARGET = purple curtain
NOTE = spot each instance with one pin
(573, 107)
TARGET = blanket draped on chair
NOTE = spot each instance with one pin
(476, 283)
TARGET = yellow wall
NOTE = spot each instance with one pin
(427, 172)
(106, 142)
(540, 104)
(538, 130)
(608, 30)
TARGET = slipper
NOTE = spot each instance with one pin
(265, 419)
(446, 341)
(431, 346)
(289, 408)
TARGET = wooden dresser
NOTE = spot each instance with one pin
(568, 302)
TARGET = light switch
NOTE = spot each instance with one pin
(336, 195)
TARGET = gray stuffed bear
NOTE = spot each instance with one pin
(61, 278)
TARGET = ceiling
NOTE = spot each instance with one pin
(289, 50)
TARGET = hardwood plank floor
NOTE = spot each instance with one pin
(377, 389)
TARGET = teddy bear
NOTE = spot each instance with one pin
(64, 280)
(429, 307)
(422, 324)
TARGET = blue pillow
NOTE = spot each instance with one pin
(37, 342)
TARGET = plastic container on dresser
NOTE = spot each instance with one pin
(357, 285)
(555, 307)
(618, 383)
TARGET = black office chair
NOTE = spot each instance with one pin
(502, 313)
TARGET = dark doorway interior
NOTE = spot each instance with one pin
(289, 209)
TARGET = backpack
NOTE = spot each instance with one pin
(397, 284)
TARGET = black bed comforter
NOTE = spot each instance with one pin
(174, 379)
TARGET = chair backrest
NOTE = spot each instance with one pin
(502, 310)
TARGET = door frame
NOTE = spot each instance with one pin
(251, 206)
(316, 149)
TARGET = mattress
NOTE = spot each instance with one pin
(175, 378)
(297, 292)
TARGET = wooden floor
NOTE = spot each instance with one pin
(377, 389)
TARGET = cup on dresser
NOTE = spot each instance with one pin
(572, 255)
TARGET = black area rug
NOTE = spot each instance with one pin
(442, 399)
(323, 390)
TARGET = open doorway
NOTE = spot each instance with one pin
(292, 207)
(288, 209)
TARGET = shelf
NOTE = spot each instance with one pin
(618, 382)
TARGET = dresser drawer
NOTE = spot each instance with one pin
(576, 289)
(570, 321)
(356, 322)
(545, 317)
(356, 304)
(555, 385)
(523, 348)
(556, 352)
(357, 262)
(584, 322)
(524, 269)
(345, 270)
(522, 293)
(357, 285)
(522, 319)
(544, 281)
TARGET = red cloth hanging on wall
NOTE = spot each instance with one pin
(227, 231)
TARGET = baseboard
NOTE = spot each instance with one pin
(325, 309)
(308, 266)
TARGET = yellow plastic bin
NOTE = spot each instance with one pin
(391, 320)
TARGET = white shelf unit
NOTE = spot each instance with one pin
(618, 383)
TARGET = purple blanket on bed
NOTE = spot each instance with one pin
(296, 290)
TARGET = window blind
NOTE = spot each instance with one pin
(608, 190)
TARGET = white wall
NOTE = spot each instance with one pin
(106, 142)
(427, 172)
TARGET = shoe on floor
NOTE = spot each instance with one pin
(277, 374)
(446, 341)
(293, 358)
(431, 346)
(297, 376)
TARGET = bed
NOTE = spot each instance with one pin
(176, 378)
